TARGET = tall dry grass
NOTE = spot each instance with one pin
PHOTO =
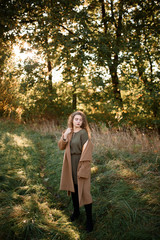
(46, 128)
(130, 140)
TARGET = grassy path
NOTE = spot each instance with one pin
(31, 205)
(125, 189)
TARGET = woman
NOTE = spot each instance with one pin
(76, 169)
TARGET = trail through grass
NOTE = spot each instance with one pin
(125, 190)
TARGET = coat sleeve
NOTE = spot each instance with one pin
(62, 144)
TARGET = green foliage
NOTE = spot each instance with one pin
(107, 51)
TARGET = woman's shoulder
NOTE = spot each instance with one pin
(83, 132)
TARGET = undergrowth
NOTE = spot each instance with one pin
(125, 186)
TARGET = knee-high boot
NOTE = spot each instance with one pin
(75, 201)
(89, 225)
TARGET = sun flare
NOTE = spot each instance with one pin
(23, 52)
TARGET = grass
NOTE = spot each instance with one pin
(125, 186)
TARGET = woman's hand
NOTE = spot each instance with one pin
(68, 130)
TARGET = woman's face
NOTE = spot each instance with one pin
(77, 121)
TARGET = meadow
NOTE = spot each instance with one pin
(125, 185)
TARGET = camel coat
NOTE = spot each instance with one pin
(83, 171)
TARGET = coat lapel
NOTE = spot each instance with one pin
(87, 152)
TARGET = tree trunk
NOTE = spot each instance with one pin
(74, 101)
(115, 83)
(113, 63)
(50, 76)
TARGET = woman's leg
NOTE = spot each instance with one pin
(88, 209)
(75, 201)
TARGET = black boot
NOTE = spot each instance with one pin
(89, 225)
(75, 200)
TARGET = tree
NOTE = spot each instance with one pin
(124, 40)
(107, 51)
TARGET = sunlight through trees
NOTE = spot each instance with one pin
(99, 56)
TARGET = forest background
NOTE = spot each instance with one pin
(98, 56)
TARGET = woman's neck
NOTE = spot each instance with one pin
(76, 129)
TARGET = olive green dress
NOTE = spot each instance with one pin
(76, 145)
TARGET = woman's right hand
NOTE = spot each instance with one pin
(68, 130)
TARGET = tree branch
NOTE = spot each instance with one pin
(60, 25)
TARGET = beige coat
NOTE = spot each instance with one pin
(83, 171)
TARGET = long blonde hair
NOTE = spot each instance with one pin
(85, 124)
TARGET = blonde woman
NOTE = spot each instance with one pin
(76, 169)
